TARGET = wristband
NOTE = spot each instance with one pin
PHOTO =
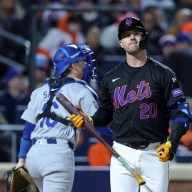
(24, 148)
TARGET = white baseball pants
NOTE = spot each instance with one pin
(154, 172)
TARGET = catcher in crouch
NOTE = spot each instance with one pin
(139, 97)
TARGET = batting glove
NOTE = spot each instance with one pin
(166, 151)
(78, 119)
(82, 112)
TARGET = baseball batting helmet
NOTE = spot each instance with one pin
(131, 23)
(71, 53)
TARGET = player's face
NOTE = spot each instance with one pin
(129, 41)
(79, 68)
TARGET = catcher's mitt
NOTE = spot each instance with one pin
(19, 180)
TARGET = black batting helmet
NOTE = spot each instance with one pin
(132, 23)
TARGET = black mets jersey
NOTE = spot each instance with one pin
(137, 101)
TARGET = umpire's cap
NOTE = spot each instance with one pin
(130, 23)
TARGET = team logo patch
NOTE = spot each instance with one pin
(177, 92)
(128, 22)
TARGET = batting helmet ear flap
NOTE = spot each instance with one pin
(142, 44)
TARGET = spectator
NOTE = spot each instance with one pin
(184, 3)
(89, 18)
(165, 4)
(11, 15)
(68, 30)
(92, 38)
(161, 17)
(183, 40)
(154, 29)
(9, 101)
(167, 45)
(13, 96)
(135, 3)
(11, 11)
(50, 17)
(181, 17)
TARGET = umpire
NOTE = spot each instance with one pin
(139, 97)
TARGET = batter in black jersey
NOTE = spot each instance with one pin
(137, 101)
(140, 97)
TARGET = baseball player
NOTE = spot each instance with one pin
(140, 96)
(49, 137)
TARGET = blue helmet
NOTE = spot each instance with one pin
(70, 53)
(90, 70)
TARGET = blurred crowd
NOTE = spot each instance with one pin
(168, 22)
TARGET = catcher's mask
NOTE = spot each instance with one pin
(132, 23)
(71, 53)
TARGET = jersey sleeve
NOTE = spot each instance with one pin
(87, 101)
(104, 114)
(29, 114)
(174, 97)
(172, 90)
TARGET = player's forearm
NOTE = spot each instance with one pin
(24, 148)
(178, 130)
(25, 142)
(102, 117)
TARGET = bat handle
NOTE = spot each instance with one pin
(140, 180)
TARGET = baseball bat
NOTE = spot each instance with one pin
(89, 127)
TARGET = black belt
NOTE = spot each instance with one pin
(52, 141)
(139, 145)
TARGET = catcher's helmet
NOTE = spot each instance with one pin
(70, 53)
(131, 23)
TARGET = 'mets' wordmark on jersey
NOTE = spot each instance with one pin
(120, 97)
(138, 102)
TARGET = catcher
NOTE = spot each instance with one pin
(49, 137)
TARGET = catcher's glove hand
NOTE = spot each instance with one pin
(19, 180)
